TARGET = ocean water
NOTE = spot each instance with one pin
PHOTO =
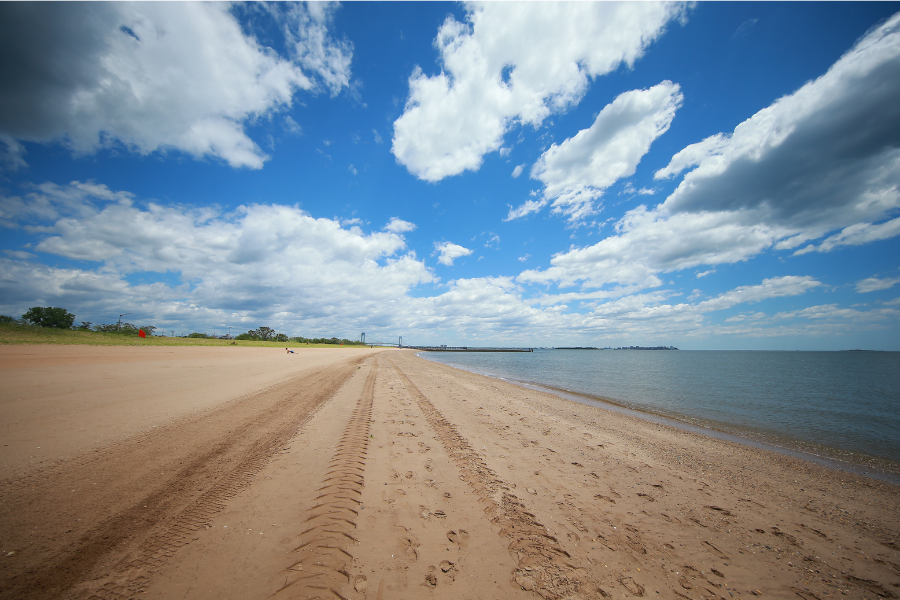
(842, 406)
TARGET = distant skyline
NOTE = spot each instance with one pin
(705, 176)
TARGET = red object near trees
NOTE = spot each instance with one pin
(141, 333)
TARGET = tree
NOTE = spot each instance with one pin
(85, 325)
(148, 329)
(263, 333)
(49, 316)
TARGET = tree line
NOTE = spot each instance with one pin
(59, 318)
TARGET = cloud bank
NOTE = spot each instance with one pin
(176, 266)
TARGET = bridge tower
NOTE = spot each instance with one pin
(400, 345)
(362, 337)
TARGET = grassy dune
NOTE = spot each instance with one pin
(12, 333)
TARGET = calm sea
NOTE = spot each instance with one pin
(842, 406)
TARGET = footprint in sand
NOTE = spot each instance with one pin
(460, 537)
(448, 569)
(632, 586)
(408, 546)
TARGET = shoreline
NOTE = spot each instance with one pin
(881, 469)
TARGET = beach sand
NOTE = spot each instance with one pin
(350, 473)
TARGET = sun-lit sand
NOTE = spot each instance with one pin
(252, 473)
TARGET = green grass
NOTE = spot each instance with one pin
(14, 333)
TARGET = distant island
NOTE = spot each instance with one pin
(647, 348)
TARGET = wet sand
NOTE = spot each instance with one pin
(376, 474)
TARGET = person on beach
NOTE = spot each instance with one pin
(289, 351)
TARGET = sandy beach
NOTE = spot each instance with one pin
(243, 473)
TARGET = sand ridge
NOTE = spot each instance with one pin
(381, 475)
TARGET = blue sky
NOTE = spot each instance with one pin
(709, 176)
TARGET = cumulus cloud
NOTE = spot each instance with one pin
(12, 156)
(306, 27)
(448, 252)
(525, 209)
(259, 261)
(856, 235)
(155, 76)
(398, 225)
(648, 243)
(512, 64)
(823, 158)
(873, 284)
(775, 287)
(518, 171)
(576, 172)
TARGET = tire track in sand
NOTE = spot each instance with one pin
(322, 569)
(543, 565)
(116, 557)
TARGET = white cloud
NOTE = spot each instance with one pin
(823, 158)
(873, 284)
(50, 201)
(577, 172)
(775, 287)
(648, 243)
(525, 209)
(306, 26)
(693, 155)
(398, 225)
(449, 251)
(155, 76)
(11, 157)
(514, 63)
(292, 126)
(856, 235)
(518, 171)
(352, 170)
(524, 258)
(259, 261)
